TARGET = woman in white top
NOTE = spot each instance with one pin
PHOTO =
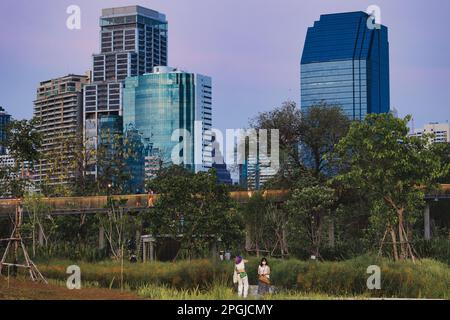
(240, 277)
(263, 277)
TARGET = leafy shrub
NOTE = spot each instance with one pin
(437, 248)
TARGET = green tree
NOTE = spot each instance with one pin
(278, 219)
(118, 225)
(192, 208)
(68, 167)
(306, 140)
(23, 142)
(255, 216)
(310, 203)
(286, 119)
(394, 170)
(37, 211)
(320, 129)
(112, 156)
(443, 151)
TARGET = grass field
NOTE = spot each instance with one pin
(424, 279)
(209, 280)
(221, 292)
(24, 289)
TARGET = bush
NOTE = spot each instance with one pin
(425, 279)
(71, 251)
(437, 248)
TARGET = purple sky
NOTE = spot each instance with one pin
(251, 48)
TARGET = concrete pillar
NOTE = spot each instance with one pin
(426, 218)
(248, 239)
(152, 251)
(40, 236)
(331, 233)
(138, 242)
(101, 238)
(213, 249)
(144, 251)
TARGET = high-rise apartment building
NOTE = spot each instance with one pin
(59, 110)
(157, 107)
(5, 118)
(133, 40)
(346, 63)
(440, 132)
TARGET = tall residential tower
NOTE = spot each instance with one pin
(59, 110)
(133, 40)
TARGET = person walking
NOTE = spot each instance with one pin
(263, 277)
(240, 277)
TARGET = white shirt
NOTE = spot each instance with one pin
(240, 266)
(264, 270)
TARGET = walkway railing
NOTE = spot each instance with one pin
(94, 204)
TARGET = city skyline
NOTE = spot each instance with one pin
(419, 70)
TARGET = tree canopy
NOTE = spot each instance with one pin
(394, 169)
(192, 208)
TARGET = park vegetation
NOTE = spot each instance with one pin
(355, 189)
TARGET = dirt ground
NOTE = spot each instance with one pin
(21, 289)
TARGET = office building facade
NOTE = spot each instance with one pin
(218, 163)
(439, 131)
(158, 104)
(256, 171)
(223, 174)
(5, 118)
(59, 110)
(346, 63)
(133, 40)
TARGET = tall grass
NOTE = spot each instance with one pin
(215, 292)
(221, 292)
(425, 279)
(182, 274)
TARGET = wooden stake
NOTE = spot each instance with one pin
(17, 242)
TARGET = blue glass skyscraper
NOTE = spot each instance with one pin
(346, 63)
(156, 106)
